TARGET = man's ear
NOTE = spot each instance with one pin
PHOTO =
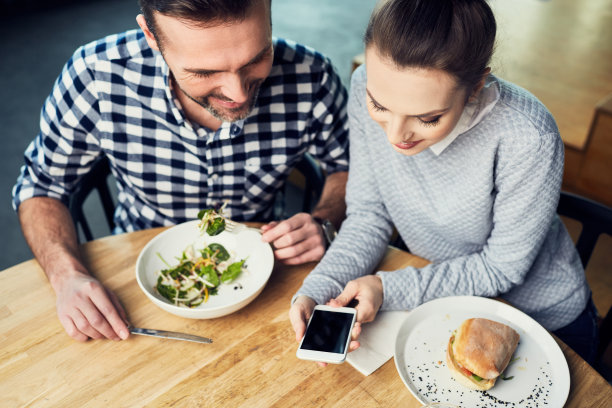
(479, 85)
(148, 34)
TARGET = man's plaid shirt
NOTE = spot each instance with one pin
(113, 98)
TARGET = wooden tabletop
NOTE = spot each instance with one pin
(251, 363)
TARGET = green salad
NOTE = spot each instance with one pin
(212, 221)
(198, 275)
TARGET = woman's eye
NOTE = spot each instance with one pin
(377, 107)
(430, 121)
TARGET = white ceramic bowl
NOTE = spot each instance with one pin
(245, 243)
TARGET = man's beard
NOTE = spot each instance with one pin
(230, 114)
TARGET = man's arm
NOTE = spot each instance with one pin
(85, 308)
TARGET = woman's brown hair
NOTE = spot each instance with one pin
(456, 36)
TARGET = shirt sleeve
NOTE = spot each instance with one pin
(329, 121)
(528, 177)
(65, 148)
(363, 238)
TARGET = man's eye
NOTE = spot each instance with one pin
(201, 74)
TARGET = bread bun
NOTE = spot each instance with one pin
(480, 348)
(462, 379)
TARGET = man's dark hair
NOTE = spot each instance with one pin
(200, 12)
(456, 36)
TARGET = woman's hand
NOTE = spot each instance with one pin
(367, 291)
(299, 314)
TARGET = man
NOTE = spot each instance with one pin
(199, 108)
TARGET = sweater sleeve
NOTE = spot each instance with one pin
(364, 235)
(528, 175)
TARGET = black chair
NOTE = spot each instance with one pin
(596, 219)
(300, 194)
(313, 181)
(96, 179)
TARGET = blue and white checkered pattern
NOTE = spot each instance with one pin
(483, 211)
(113, 98)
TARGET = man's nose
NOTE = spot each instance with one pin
(236, 88)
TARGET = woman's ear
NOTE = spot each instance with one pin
(479, 85)
(151, 40)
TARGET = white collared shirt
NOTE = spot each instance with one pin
(472, 114)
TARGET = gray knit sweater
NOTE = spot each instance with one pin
(483, 211)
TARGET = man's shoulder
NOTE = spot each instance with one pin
(288, 53)
(125, 46)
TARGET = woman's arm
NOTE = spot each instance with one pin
(364, 235)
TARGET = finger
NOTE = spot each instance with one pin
(311, 256)
(268, 226)
(72, 330)
(365, 312)
(350, 292)
(84, 326)
(354, 345)
(299, 327)
(292, 238)
(321, 364)
(356, 331)
(334, 303)
(118, 306)
(299, 245)
(102, 315)
(119, 321)
(298, 318)
(282, 228)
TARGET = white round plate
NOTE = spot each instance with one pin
(541, 374)
(245, 243)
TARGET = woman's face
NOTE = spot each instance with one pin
(416, 107)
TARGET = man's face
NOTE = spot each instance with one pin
(219, 66)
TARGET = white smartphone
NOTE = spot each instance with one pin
(328, 334)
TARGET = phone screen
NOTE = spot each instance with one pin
(328, 331)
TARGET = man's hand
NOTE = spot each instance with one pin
(368, 291)
(85, 308)
(296, 240)
(88, 310)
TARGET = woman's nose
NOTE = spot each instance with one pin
(398, 130)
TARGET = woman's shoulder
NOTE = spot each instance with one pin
(522, 109)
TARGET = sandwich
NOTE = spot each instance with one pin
(479, 351)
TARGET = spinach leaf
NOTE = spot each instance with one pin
(216, 252)
(166, 291)
(232, 272)
(216, 226)
(209, 273)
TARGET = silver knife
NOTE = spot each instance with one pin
(169, 335)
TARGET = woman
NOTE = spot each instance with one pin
(465, 165)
